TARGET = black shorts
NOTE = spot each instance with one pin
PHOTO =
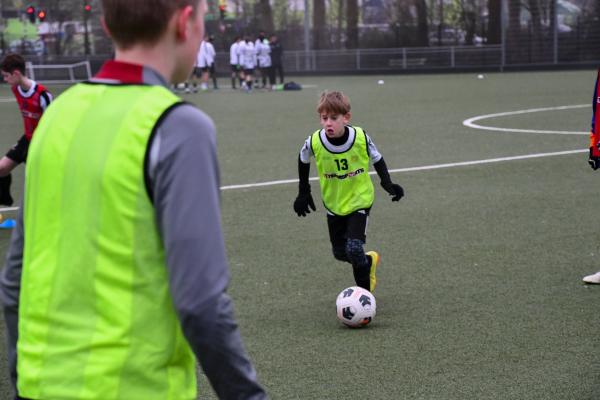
(352, 226)
(18, 153)
(248, 71)
(197, 72)
(209, 68)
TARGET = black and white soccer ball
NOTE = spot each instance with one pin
(355, 307)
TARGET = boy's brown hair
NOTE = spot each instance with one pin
(140, 21)
(13, 62)
(333, 103)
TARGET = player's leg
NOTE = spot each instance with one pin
(363, 264)
(204, 84)
(213, 75)
(337, 236)
(196, 74)
(233, 75)
(15, 156)
(249, 73)
(242, 77)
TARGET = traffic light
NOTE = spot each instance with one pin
(31, 14)
(222, 10)
(41, 15)
(87, 9)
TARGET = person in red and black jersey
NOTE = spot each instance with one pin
(594, 158)
(32, 99)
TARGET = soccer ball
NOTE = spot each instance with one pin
(355, 307)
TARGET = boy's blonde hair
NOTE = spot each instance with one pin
(131, 22)
(333, 102)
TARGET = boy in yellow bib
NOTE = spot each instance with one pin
(342, 153)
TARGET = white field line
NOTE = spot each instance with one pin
(7, 99)
(470, 122)
(467, 122)
(408, 169)
(421, 168)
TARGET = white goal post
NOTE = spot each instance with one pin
(59, 73)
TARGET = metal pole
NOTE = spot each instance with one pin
(86, 37)
(503, 33)
(306, 35)
(555, 23)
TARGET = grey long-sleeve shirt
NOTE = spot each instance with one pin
(183, 179)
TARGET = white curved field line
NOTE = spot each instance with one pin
(471, 121)
(467, 122)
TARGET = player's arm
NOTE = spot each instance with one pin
(10, 288)
(304, 201)
(45, 99)
(394, 190)
(183, 180)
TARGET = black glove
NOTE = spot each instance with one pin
(394, 190)
(303, 202)
(594, 161)
(5, 197)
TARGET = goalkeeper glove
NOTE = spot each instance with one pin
(393, 189)
(5, 197)
(304, 201)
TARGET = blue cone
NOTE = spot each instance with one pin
(8, 224)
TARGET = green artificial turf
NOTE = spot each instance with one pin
(479, 294)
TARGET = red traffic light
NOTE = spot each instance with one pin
(41, 15)
(87, 8)
(31, 14)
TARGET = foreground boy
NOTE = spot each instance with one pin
(33, 99)
(342, 153)
(124, 270)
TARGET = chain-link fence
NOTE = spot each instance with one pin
(386, 35)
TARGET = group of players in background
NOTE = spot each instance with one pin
(254, 64)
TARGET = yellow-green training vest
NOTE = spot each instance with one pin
(346, 186)
(96, 319)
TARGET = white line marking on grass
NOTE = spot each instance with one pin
(422, 168)
(470, 122)
(7, 99)
(409, 169)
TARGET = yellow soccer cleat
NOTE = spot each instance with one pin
(373, 274)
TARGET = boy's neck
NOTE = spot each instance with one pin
(153, 57)
(25, 83)
(339, 140)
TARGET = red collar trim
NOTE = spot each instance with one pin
(121, 71)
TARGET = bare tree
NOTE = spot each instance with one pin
(422, 25)
(318, 23)
(265, 15)
(494, 30)
(352, 24)
(340, 19)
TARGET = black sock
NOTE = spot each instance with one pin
(362, 276)
(5, 197)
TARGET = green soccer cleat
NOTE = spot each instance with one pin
(373, 273)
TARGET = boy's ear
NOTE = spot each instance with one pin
(182, 19)
(104, 27)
